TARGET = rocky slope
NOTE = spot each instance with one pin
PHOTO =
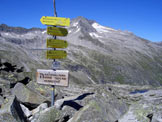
(91, 103)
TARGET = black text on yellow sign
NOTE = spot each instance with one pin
(57, 21)
(56, 54)
(55, 31)
(55, 43)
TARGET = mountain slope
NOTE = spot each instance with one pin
(98, 54)
(113, 55)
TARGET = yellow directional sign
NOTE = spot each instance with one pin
(56, 54)
(57, 21)
(54, 31)
(53, 43)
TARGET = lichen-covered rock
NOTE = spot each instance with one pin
(144, 109)
(11, 111)
(99, 106)
(5, 111)
(136, 113)
(157, 117)
(40, 108)
(90, 112)
(27, 95)
(44, 90)
(48, 115)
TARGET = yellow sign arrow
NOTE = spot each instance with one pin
(53, 43)
(56, 54)
(57, 21)
(54, 31)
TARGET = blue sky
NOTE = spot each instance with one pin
(142, 17)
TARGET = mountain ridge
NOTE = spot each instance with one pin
(99, 54)
(18, 30)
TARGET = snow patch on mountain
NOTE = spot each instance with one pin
(6, 34)
(75, 24)
(44, 32)
(101, 29)
(77, 30)
(95, 35)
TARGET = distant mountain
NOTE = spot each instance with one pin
(18, 30)
(97, 54)
(159, 43)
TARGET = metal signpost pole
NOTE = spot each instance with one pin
(53, 95)
(53, 87)
(55, 76)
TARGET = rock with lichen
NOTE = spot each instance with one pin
(27, 95)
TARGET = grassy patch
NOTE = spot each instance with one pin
(119, 78)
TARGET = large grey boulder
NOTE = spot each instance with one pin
(59, 103)
(48, 115)
(11, 111)
(40, 108)
(99, 111)
(157, 117)
(98, 105)
(26, 111)
(26, 95)
(143, 106)
(90, 112)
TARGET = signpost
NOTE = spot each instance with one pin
(54, 43)
(54, 31)
(56, 54)
(54, 77)
(57, 21)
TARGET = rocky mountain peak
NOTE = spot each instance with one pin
(89, 26)
(82, 19)
(82, 24)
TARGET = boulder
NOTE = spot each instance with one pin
(94, 112)
(157, 117)
(44, 90)
(40, 108)
(11, 111)
(59, 103)
(136, 113)
(102, 106)
(26, 111)
(48, 115)
(26, 95)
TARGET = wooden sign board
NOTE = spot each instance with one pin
(51, 77)
(56, 54)
(55, 43)
(55, 31)
(57, 21)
